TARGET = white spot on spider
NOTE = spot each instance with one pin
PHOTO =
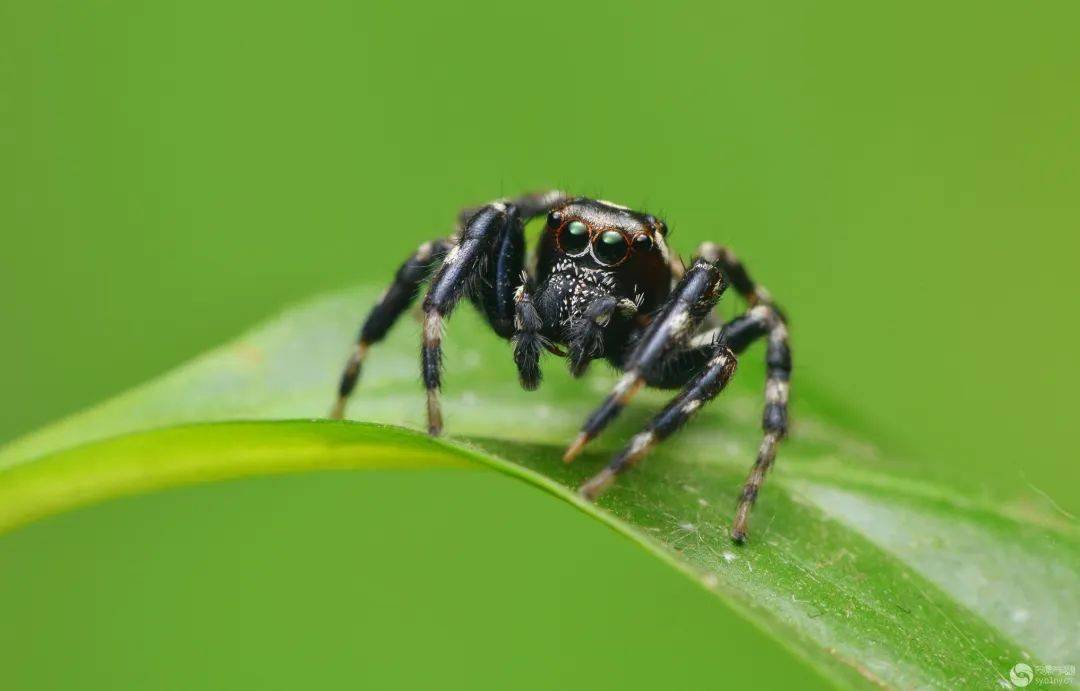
(704, 339)
(452, 256)
(679, 321)
(709, 251)
(776, 391)
(498, 206)
(719, 361)
(691, 407)
(630, 307)
(433, 328)
(760, 313)
(641, 443)
(625, 384)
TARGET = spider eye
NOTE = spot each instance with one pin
(574, 238)
(611, 248)
(643, 243)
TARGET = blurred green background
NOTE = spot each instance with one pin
(903, 177)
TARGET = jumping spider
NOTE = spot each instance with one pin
(604, 285)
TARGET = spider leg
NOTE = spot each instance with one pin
(394, 302)
(701, 389)
(459, 266)
(529, 205)
(763, 318)
(585, 336)
(734, 337)
(527, 339)
(736, 274)
(775, 418)
(691, 300)
(493, 288)
(486, 262)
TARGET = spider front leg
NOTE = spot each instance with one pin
(690, 302)
(701, 389)
(461, 265)
(489, 257)
(393, 303)
(762, 319)
(720, 346)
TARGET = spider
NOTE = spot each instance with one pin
(603, 285)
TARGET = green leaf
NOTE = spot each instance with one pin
(854, 562)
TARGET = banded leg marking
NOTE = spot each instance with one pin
(690, 302)
(699, 391)
(382, 317)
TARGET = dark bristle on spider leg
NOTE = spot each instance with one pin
(602, 284)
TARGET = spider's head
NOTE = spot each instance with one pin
(591, 248)
(604, 235)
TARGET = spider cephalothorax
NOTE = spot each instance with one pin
(604, 285)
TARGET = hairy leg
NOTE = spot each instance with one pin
(693, 299)
(528, 343)
(774, 420)
(586, 335)
(486, 264)
(701, 389)
(762, 319)
(460, 266)
(393, 303)
(735, 273)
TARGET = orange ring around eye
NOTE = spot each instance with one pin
(573, 238)
(611, 248)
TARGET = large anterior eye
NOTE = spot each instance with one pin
(611, 248)
(574, 238)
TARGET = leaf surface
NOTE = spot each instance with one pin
(868, 572)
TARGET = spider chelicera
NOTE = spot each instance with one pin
(604, 285)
